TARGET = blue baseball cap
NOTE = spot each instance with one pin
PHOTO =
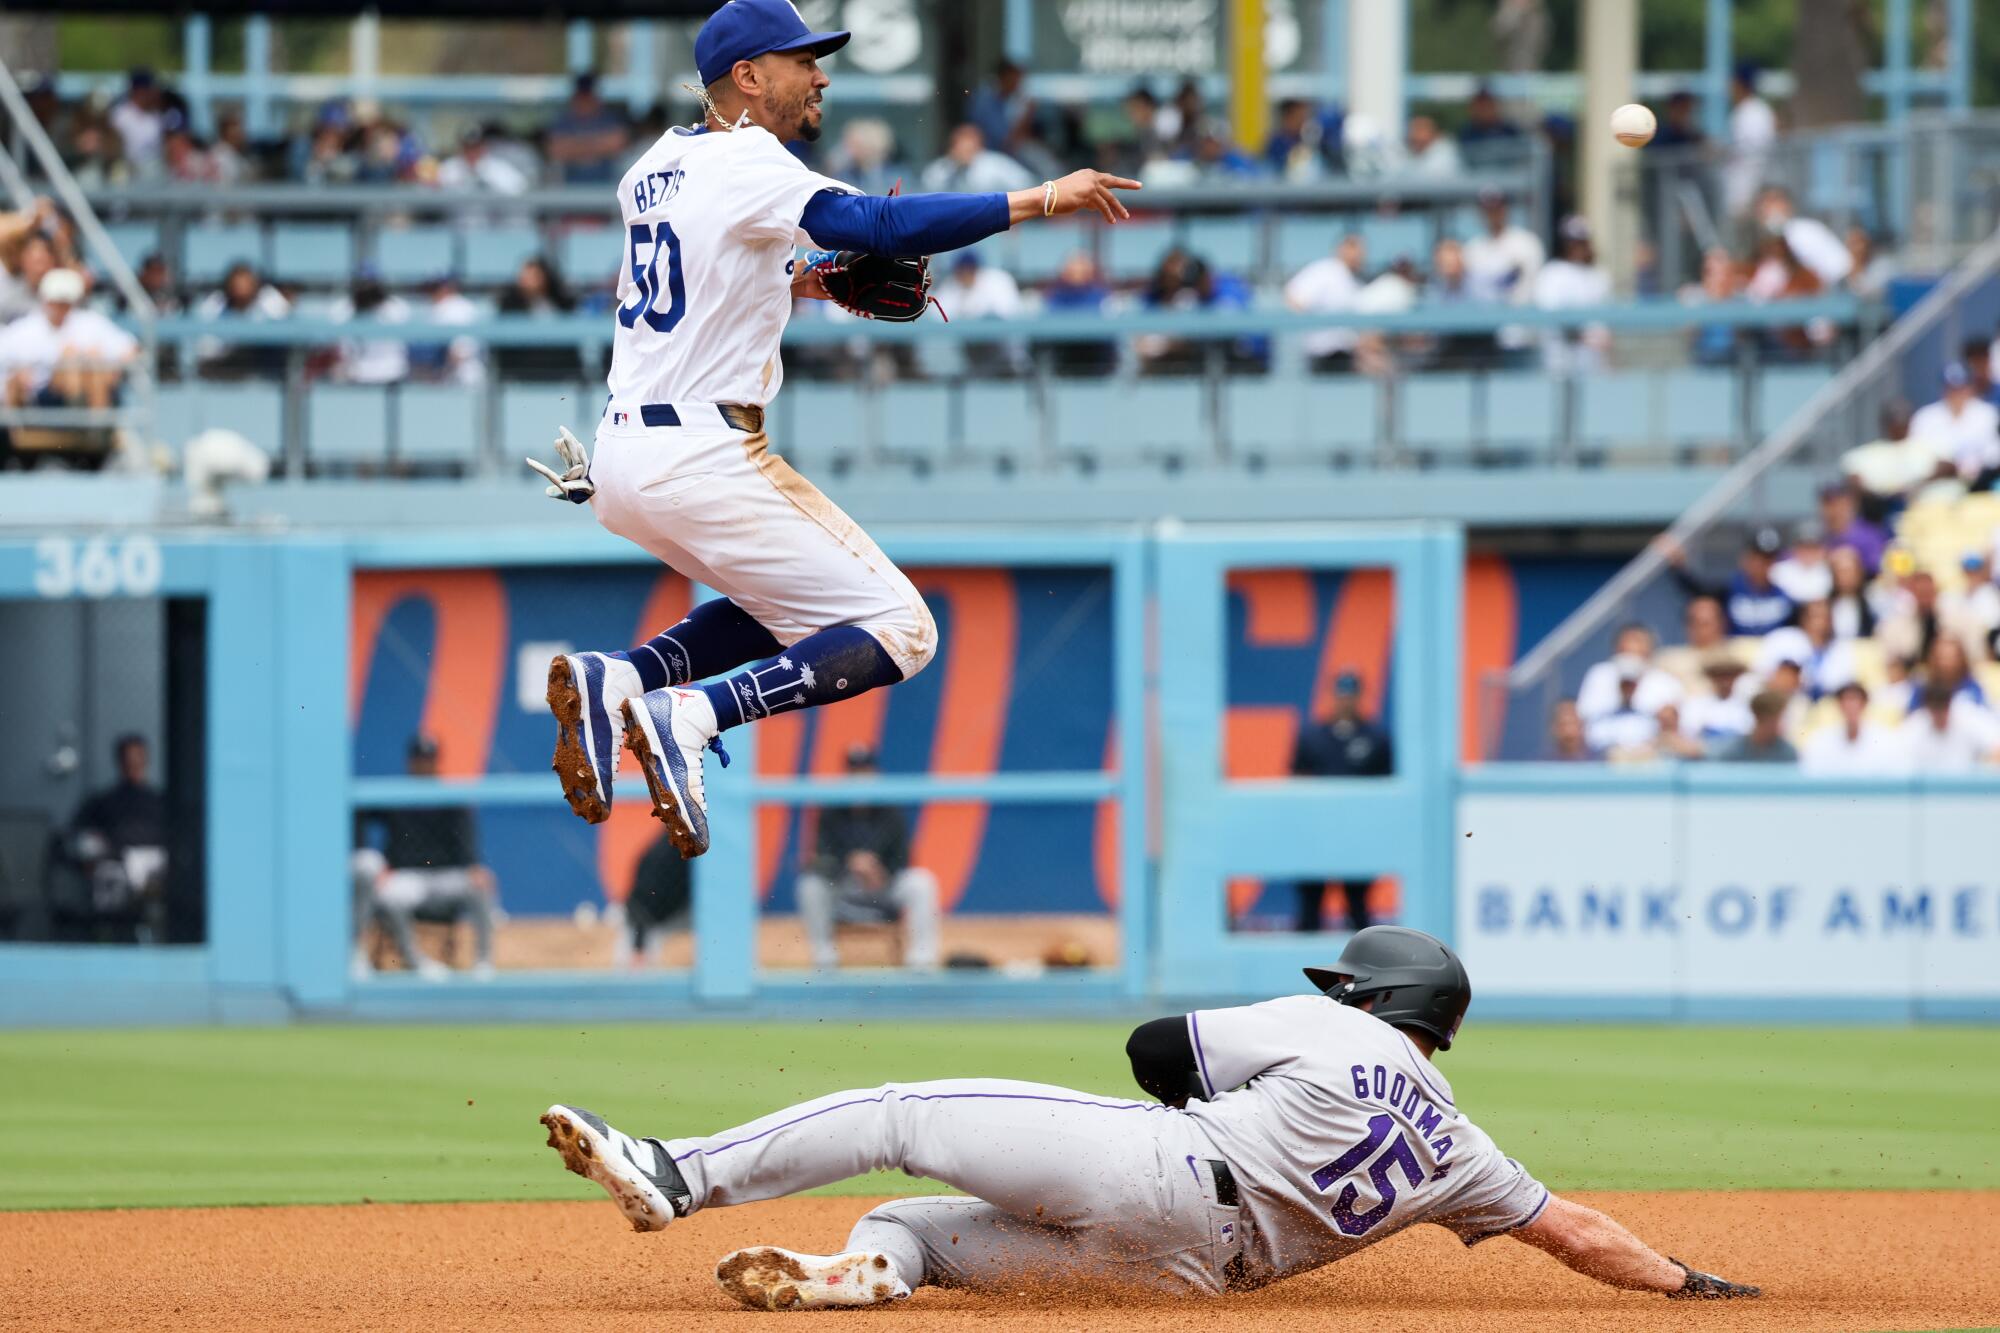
(746, 29)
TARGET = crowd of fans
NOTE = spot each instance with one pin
(1868, 643)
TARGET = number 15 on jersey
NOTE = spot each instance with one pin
(659, 241)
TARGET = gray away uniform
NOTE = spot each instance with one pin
(1337, 1134)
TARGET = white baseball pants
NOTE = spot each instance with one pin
(1069, 1186)
(717, 505)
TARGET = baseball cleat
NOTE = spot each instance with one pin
(765, 1277)
(666, 731)
(637, 1173)
(585, 693)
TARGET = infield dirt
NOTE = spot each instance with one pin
(1870, 1261)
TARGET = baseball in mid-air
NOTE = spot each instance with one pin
(1633, 125)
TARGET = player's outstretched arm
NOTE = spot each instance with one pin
(1598, 1247)
(1083, 191)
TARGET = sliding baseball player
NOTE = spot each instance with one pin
(811, 611)
(1288, 1134)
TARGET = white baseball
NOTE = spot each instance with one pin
(1633, 125)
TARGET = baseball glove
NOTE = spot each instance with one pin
(1702, 1286)
(876, 286)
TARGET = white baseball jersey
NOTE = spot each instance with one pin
(711, 221)
(1342, 1133)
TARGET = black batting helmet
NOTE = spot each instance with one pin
(1415, 980)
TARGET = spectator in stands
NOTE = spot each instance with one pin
(1393, 291)
(1487, 136)
(1566, 744)
(537, 290)
(1215, 154)
(1825, 662)
(1913, 624)
(1754, 603)
(1840, 516)
(861, 875)
(1005, 115)
(463, 359)
(1428, 151)
(1329, 286)
(1505, 259)
(1079, 289)
(184, 160)
(1974, 610)
(978, 290)
(1601, 692)
(1574, 280)
(1721, 282)
(1947, 663)
(864, 156)
(1962, 427)
(118, 836)
(1765, 742)
(1182, 120)
(95, 157)
(371, 360)
(661, 903)
(969, 166)
(1868, 268)
(1803, 574)
(232, 158)
(157, 281)
(1293, 150)
(1949, 733)
(1897, 465)
(414, 864)
(1344, 744)
(1630, 729)
(246, 296)
(27, 251)
(1450, 285)
(478, 166)
(1719, 710)
(1852, 745)
(1753, 128)
(1705, 628)
(589, 140)
(1679, 126)
(1780, 275)
(1184, 281)
(330, 158)
(141, 118)
(63, 355)
(1140, 143)
(1851, 609)
(1813, 243)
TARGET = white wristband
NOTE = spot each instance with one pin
(1049, 199)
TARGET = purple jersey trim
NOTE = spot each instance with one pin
(1421, 1063)
(923, 1097)
(1200, 1057)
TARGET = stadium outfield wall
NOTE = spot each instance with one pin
(1107, 730)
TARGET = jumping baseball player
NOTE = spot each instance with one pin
(1288, 1134)
(811, 610)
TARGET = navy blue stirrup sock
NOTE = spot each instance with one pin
(821, 668)
(715, 637)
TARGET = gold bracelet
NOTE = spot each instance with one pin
(1048, 199)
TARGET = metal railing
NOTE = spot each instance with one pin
(1840, 415)
(1929, 188)
(1440, 401)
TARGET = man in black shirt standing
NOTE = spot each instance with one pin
(421, 864)
(1345, 745)
(119, 837)
(861, 875)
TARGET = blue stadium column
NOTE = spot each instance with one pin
(1288, 830)
(314, 584)
(725, 877)
(246, 815)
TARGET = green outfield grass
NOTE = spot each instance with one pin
(331, 1114)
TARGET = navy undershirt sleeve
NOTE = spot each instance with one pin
(919, 224)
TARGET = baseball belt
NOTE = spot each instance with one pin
(741, 416)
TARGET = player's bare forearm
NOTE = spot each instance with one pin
(1598, 1247)
(1078, 192)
